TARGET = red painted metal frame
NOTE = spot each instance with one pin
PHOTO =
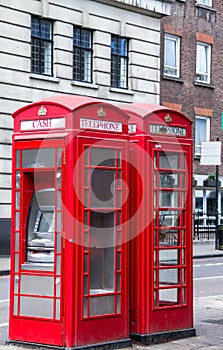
(146, 318)
(71, 329)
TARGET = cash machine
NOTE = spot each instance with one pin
(70, 207)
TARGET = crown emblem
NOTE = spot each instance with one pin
(168, 118)
(101, 112)
(42, 111)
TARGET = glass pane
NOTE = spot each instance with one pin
(85, 307)
(170, 296)
(58, 309)
(17, 200)
(103, 157)
(58, 238)
(17, 159)
(118, 282)
(15, 306)
(169, 237)
(169, 199)
(86, 156)
(58, 178)
(102, 188)
(58, 228)
(168, 180)
(119, 158)
(169, 160)
(16, 265)
(102, 252)
(18, 177)
(17, 241)
(58, 264)
(169, 257)
(17, 216)
(118, 303)
(38, 158)
(168, 276)
(169, 218)
(102, 305)
(85, 285)
(58, 200)
(59, 156)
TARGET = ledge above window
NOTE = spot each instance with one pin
(45, 77)
(206, 7)
(85, 85)
(176, 79)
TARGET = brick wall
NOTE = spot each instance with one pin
(192, 23)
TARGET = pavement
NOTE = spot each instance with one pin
(208, 313)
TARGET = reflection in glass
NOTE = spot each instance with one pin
(169, 218)
(169, 199)
(168, 276)
(103, 157)
(102, 188)
(38, 158)
(18, 177)
(102, 251)
(169, 257)
(102, 305)
(169, 237)
(169, 295)
(17, 159)
(169, 160)
(169, 180)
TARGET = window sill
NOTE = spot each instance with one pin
(210, 8)
(197, 156)
(177, 80)
(206, 85)
(121, 91)
(44, 77)
(83, 84)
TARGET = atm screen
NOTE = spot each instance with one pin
(44, 221)
(40, 227)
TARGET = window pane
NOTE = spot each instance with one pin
(203, 62)
(200, 133)
(41, 46)
(171, 55)
(119, 62)
(82, 55)
(205, 2)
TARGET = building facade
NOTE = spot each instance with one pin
(107, 49)
(191, 81)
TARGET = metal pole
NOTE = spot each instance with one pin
(216, 196)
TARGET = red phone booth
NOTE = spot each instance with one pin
(69, 250)
(161, 284)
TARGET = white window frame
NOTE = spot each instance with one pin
(203, 67)
(205, 2)
(207, 133)
(172, 70)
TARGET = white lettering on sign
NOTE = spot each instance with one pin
(42, 124)
(167, 130)
(100, 125)
(132, 128)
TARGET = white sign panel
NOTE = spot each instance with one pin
(168, 130)
(132, 128)
(210, 153)
(102, 125)
(42, 124)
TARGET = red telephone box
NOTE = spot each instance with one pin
(161, 284)
(69, 250)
